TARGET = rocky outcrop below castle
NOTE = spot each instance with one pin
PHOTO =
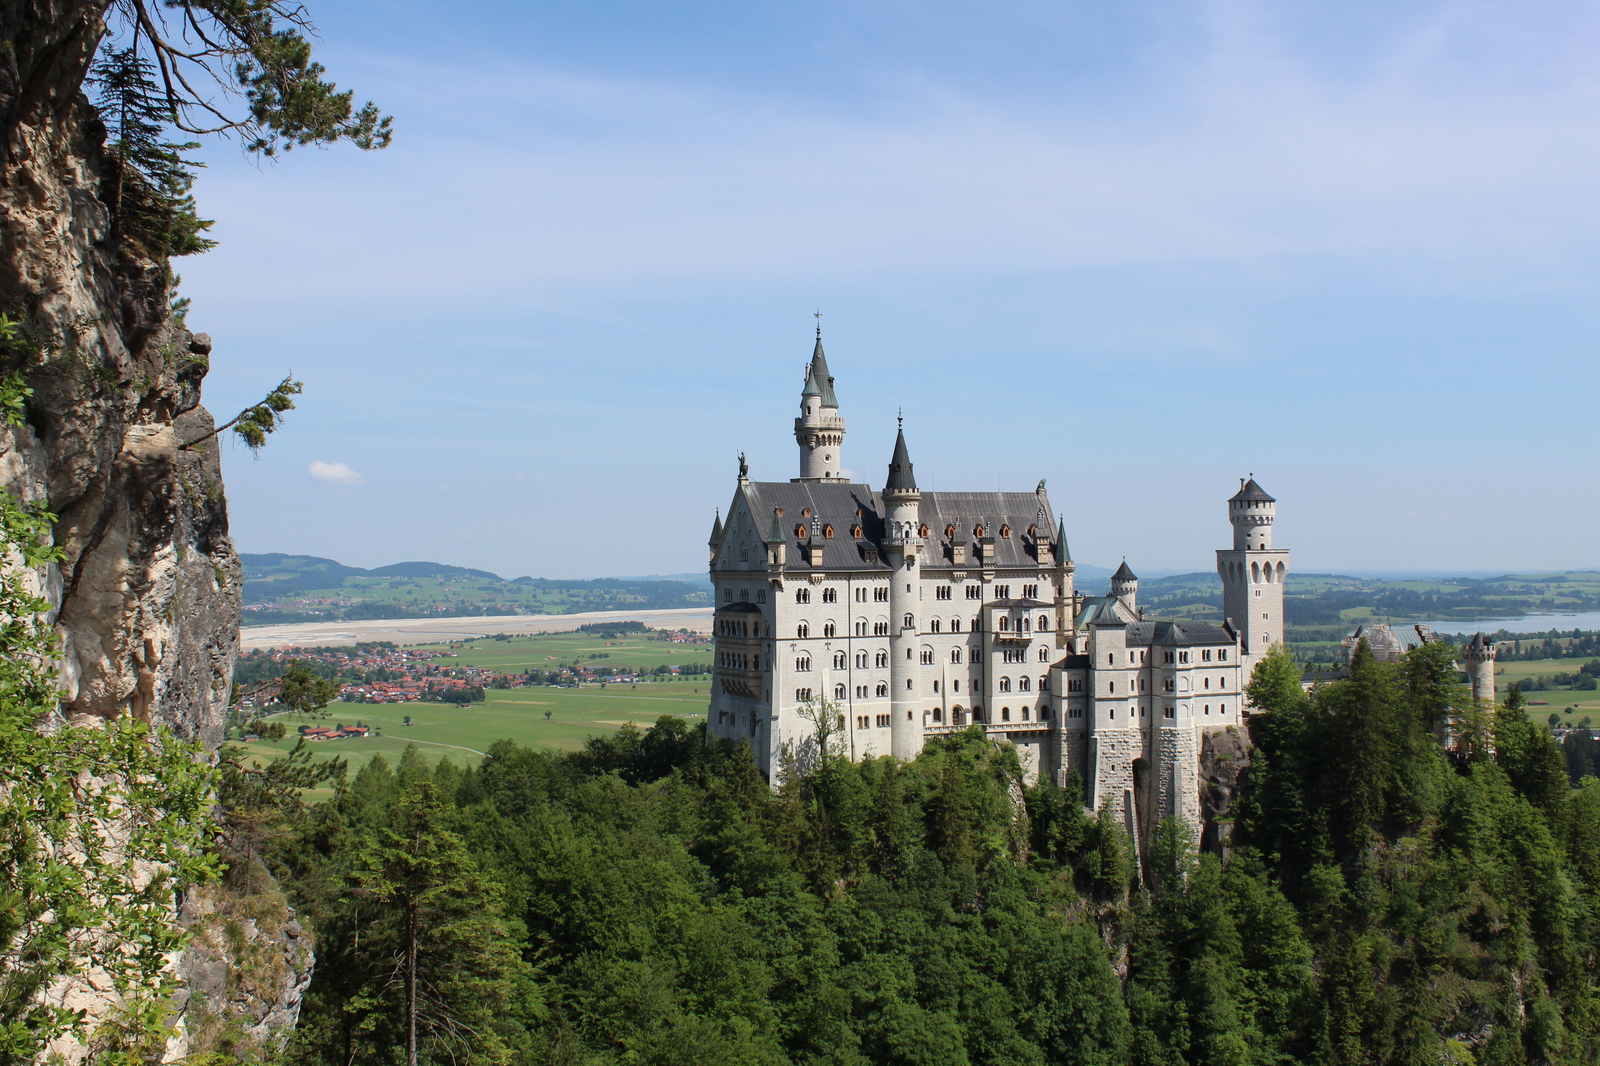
(1224, 768)
(147, 597)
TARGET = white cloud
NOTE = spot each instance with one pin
(336, 472)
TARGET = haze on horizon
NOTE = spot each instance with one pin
(1138, 250)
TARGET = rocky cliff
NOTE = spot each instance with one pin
(147, 598)
(1224, 767)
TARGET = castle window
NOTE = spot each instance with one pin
(883, 721)
(1170, 711)
(927, 656)
(922, 531)
(880, 629)
(827, 532)
(1024, 714)
(1074, 684)
(1167, 685)
(861, 721)
(861, 628)
(1044, 624)
(938, 715)
(1207, 682)
(803, 631)
(806, 513)
(838, 660)
(881, 594)
(1166, 657)
(861, 661)
(950, 532)
(1111, 659)
(1141, 684)
(802, 695)
(1205, 656)
(855, 531)
(955, 625)
(1222, 655)
(761, 595)
(1005, 714)
(941, 592)
(803, 664)
(802, 595)
(955, 685)
(830, 595)
(1005, 684)
(977, 531)
(727, 595)
(1044, 683)
(1002, 592)
(974, 592)
(1030, 592)
(1005, 531)
(1024, 684)
(955, 655)
(881, 659)
(800, 532)
(1111, 686)
(1112, 714)
(1005, 624)
(838, 692)
(1044, 655)
(827, 629)
(883, 690)
(908, 622)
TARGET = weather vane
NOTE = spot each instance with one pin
(817, 314)
(899, 418)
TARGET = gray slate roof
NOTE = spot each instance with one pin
(900, 477)
(1182, 634)
(1123, 573)
(836, 504)
(1103, 610)
(1249, 490)
(824, 380)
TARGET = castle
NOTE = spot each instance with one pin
(915, 613)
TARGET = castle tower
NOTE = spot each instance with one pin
(901, 544)
(1478, 658)
(819, 430)
(715, 543)
(1066, 598)
(1253, 572)
(1125, 587)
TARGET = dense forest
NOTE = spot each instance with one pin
(651, 899)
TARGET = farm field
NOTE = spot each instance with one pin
(463, 734)
(545, 651)
(1560, 701)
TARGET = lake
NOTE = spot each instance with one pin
(1530, 623)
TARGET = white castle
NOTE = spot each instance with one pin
(918, 613)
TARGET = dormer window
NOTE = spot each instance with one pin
(806, 513)
(1005, 531)
(855, 531)
(949, 532)
(977, 530)
(827, 532)
(800, 531)
(922, 531)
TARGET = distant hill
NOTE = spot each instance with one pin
(297, 588)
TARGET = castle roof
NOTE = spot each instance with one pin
(1477, 640)
(900, 477)
(1103, 611)
(1123, 573)
(1249, 490)
(1183, 633)
(1063, 553)
(716, 531)
(824, 380)
(836, 503)
(811, 388)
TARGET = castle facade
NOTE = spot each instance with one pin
(911, 613)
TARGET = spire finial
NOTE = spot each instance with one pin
(899, 418)
(817, 314)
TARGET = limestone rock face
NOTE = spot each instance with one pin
(244, 974)
(1224, 765)
(147, 599)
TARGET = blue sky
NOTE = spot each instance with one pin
(1138, 249)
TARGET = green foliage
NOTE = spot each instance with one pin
(305, 691)
(149, 191)
(69, 904)
(254, 423)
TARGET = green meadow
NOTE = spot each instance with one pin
(1572, 706)
(463, 734)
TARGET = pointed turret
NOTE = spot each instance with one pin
(819, 430)
(1125, 587)
(900, 476)
(715, 542)
(1063, 553)
(1124, 574)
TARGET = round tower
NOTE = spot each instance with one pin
(1478, 659)
(1125, 587)
(902, 544)
(819, 430)
(1251, 511)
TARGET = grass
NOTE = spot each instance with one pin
(545, 651)
(1572, 706)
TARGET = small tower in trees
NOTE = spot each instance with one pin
(1478, 659)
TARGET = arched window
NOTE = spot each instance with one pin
(955, 655)
(838, 692)
(802, 631)
(1005, 624)
(1005, 684)
(883, 688)
(934, 625)
(830, 595)
(1005, 714)
(1025, 624)
(838, 660)
(1024, 684)
(881, 659)
(802, 595)
(1044, 683)
(908, 622)
(828, 629)
(955, 625)
(1044, 655)
(803, 663)
(1044, 624)
(861, 627)
(938, 715)
(957, 715)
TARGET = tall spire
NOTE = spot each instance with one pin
(716, 530)
(819, 373)
(900, 476)
(819, 430)
(1063, 553)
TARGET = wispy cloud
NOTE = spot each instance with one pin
(339, 473)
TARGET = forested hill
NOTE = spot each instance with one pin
(651, 900)
(297, 588)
